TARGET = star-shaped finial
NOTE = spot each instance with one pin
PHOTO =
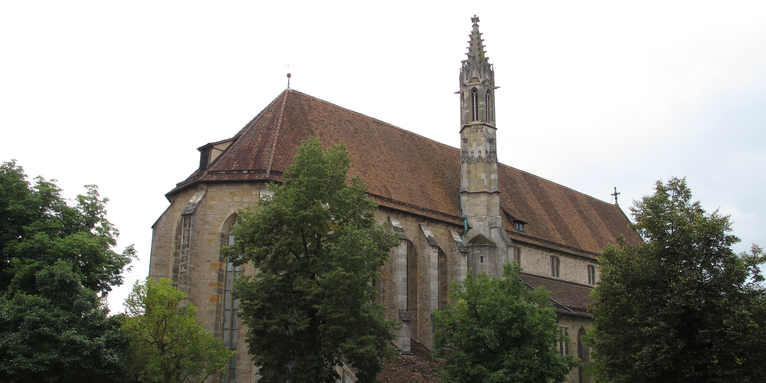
(475, 19)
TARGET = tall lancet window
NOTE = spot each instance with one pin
(488, 108)
(230, 322)
(474, 105)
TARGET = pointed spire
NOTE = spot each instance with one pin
(475, 46)
(477, 82)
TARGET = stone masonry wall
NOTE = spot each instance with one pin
(537, 261)
(408, 293)
(211, 221)
(573, 326)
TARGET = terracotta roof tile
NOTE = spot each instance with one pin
(421, 367)
(409, 172)
(573, 296)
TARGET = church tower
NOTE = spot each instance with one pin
(486, 240)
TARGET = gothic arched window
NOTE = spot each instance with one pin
(230, 322)
(583, 352)
(474, 105)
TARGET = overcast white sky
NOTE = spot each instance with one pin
(594, 94)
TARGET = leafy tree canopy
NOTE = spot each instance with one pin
(501, 331)
(167, 344)
(681, 307)
(38, 228)
(56, 267)
(316, 247)
(61, 334)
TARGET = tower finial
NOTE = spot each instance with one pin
(477, 82)
(475, 46)
(288, 80)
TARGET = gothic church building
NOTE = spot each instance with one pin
(454, 209)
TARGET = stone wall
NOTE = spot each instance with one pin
(574, 324)
(536, 260)
(411, 294)
(413, 283)
(211, 219)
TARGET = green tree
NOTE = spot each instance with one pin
(316, 247)
(38, 228)
(682, 306)
(499, 330)
(56, 268)
(167, 344)
(61, 334)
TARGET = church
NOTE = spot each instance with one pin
(453, 208)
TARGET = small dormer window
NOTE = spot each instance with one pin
(204, 159)
(474, 105)
(519, 226)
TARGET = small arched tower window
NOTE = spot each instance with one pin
(488, 108)
(474, 105)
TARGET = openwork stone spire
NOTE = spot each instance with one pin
(475, 47)
(477, 63)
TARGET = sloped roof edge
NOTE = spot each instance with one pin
(406, 170)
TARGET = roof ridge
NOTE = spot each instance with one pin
(276, 134)
(450, 147)
(557, 184)
(446, 145)
(260, 153)
(375, 119)
(257, 117)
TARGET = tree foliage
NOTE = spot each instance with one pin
(316, 247)
(38, 228)
(501, 331)
(681, 307)
(61, 334)
(56, 267)
(167, 344)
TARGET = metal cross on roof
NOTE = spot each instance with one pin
(615, 194)
(475, 19)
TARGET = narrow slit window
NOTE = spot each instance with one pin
(591, 275)
(555, 266)
(488, 107)
(517, 255)
(564, 344)
(230, 321)
(474, 105)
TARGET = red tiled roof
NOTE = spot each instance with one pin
(408, 172)
(421, 367)
(569, 298)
